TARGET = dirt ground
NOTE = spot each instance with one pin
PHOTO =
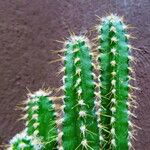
(28, 30)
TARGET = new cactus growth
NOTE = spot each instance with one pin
(115, 87)
(41, 119)
(22, 141)
(79, 122)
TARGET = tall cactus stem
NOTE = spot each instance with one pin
(114, 60)
(80, 124)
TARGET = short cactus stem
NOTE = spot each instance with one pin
(22, 141)
(41, 118)
(114, 62)
(80, 129)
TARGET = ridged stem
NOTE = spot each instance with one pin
(114, 62)
(80, 129)
(41, 119)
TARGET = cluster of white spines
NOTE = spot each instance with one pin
(39, 93)
(73, 40)
(113, 18)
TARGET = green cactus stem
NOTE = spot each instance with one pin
(22, 141)
(80, 130)
(115, 88)
(41, 118)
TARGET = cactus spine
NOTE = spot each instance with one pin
(41, 119)
(80, 124)
(115, 90)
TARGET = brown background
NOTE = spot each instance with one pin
(28, 29)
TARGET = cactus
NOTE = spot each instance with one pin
(96, 108)
(79, 122)
(116, 96)
(22, 141)
(41, 119)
